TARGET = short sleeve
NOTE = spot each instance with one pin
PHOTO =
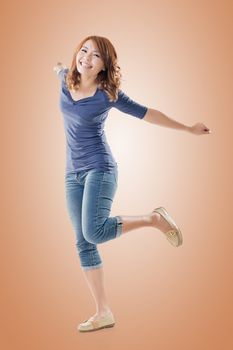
(126, 105)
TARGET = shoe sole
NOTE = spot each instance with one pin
(96, 329)
(172, 223)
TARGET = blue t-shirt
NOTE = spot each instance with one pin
(86, 144)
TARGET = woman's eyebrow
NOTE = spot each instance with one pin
(93, 50)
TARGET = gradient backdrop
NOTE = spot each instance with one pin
(176, 56)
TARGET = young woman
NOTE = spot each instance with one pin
(89, 89)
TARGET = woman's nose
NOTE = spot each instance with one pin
(87, 58)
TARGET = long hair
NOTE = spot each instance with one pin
(109, 79)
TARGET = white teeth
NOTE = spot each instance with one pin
(85, 65)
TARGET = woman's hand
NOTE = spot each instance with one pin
(199, 129)
(58, 67)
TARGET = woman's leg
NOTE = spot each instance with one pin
(88, 253)
(89, 256)
(95, 276)
(99, 191)
(151, 219)
(99, 227)
(95, 281)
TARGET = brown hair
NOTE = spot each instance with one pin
(109, 79)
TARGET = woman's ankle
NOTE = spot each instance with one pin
(103, 310)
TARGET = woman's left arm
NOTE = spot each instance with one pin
(156, 117)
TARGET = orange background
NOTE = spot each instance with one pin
(176, 56)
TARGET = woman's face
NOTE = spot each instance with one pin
(88, 59)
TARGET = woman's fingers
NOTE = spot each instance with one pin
(58, 66)
(200, 128)
(205, 129)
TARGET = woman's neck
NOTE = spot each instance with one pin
(87, 84)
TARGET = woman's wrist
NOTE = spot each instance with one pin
(188, 128)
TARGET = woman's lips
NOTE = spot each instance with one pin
(85, 64)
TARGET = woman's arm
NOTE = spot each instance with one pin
(156, 117)
(59, 66)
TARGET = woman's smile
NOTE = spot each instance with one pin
(84, 64)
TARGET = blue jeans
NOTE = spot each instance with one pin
(89, 197)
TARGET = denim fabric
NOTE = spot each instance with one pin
(89, 197)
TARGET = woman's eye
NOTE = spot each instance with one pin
(86, 50)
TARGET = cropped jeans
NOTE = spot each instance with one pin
(89, 197)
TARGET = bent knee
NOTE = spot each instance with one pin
(93, 239)
(93, 236)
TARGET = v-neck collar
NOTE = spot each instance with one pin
(81, 99)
